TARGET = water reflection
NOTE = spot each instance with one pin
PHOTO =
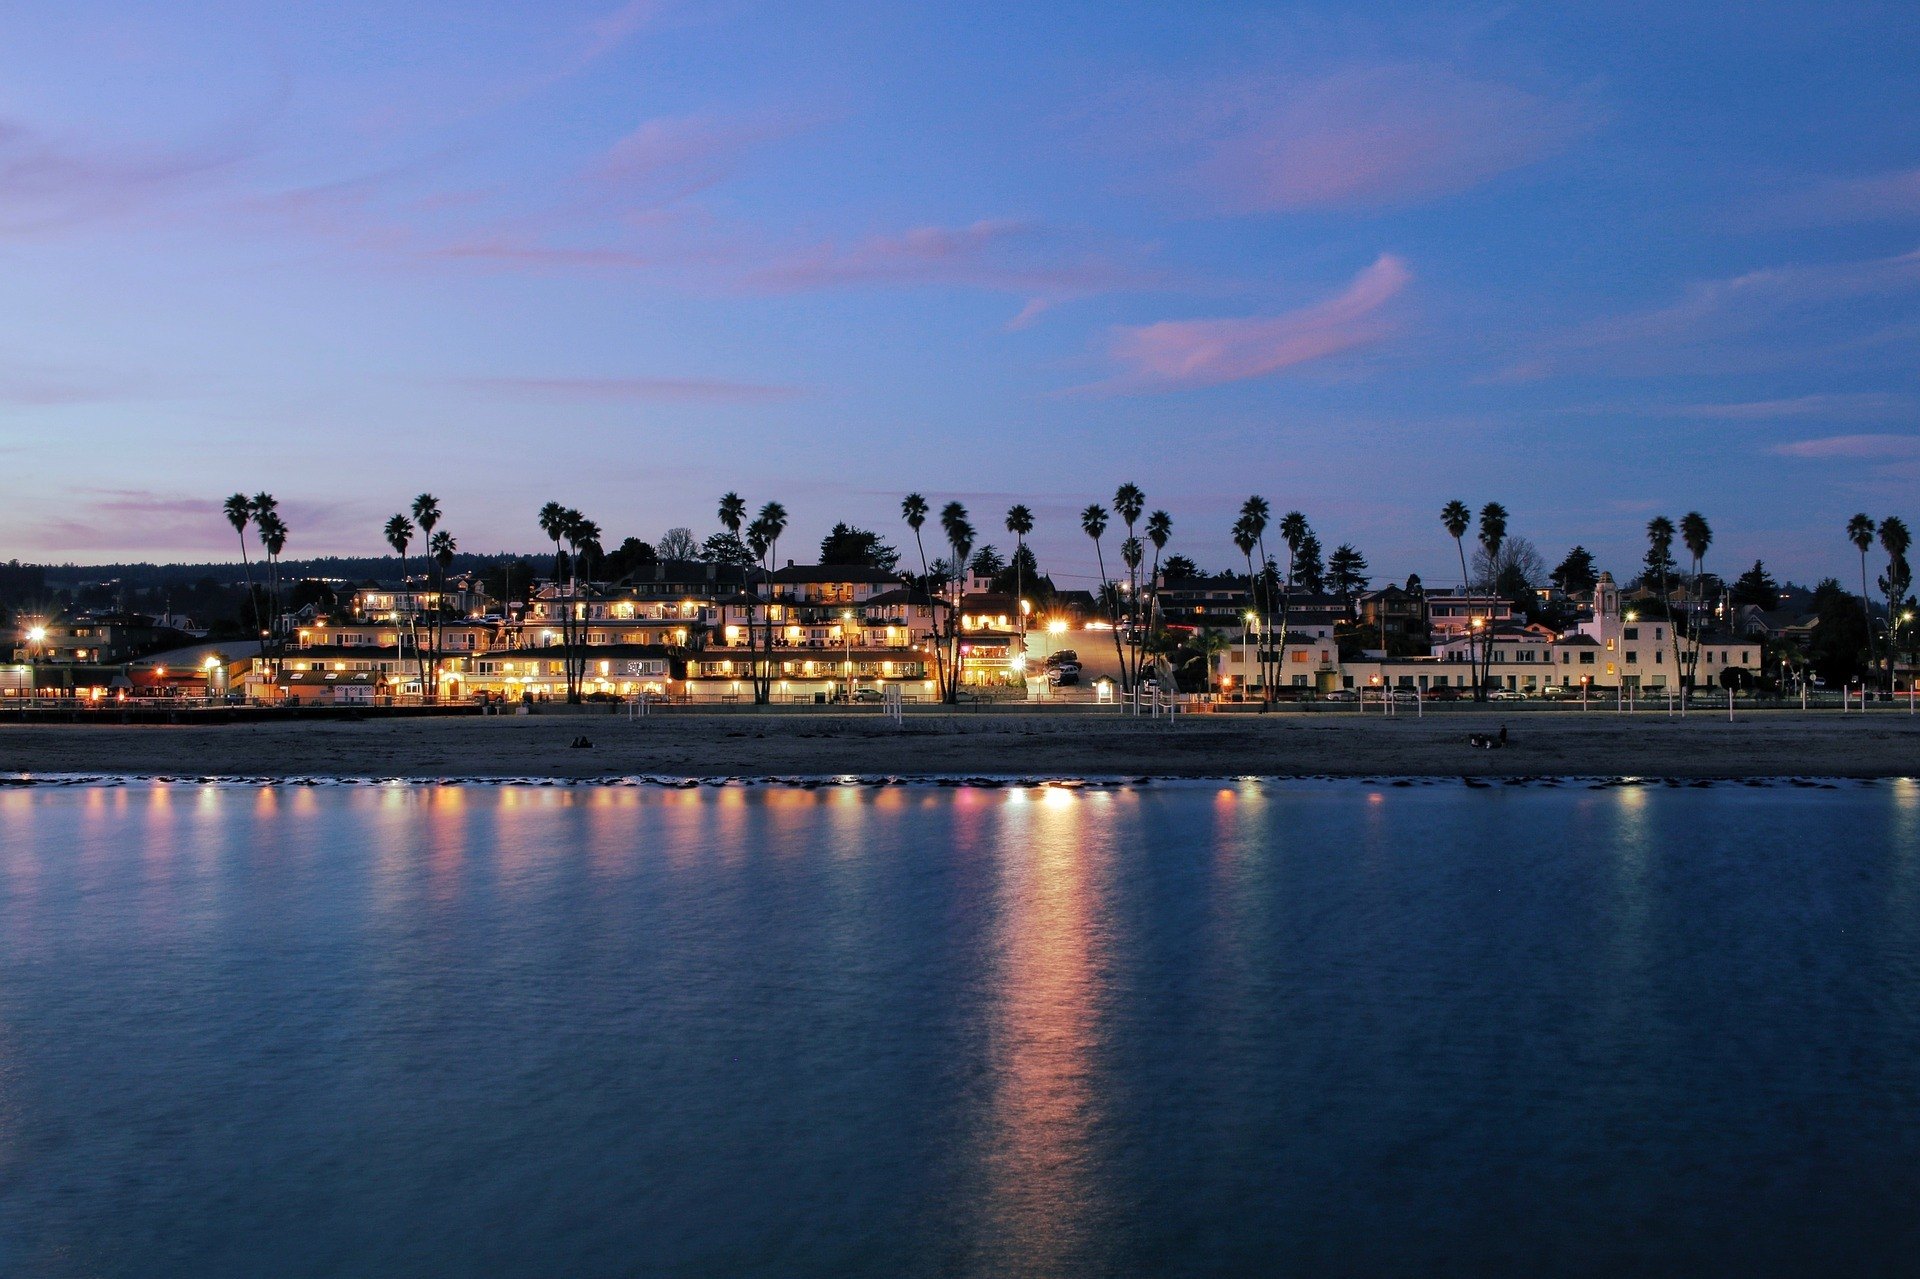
(1041, 1199)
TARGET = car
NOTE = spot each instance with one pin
(1340, 695)
(1062, 679)
(1506, 695)
(868, 695)
(1063, 657)
(1556, 690)
(1441, 693)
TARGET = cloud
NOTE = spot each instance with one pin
(673, 156)
(139, 522)
(1854, 404)
(1175, 354)
(1047, 264)
(53, 184)
(639, 389)
(1852, 448)
(1362, 137)
(1763, 317)
(1875, 197)
(613, 29)
(26, 386)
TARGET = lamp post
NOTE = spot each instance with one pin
(846, 633)
(1246, 658)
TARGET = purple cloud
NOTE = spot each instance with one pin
(1852, 448)
(49, 184)
(1176, 354)
(673, 156)
(996, 255)
(640, 389)
(1362, 137)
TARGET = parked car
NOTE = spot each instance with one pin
(1556, 690)
(1340, 695)
(1064, 657)
(1506, 695)
(1441, 693)
(868, 695)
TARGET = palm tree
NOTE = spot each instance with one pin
(1493, 532)
(959, 533)
(733, 512)
(1895, 541)
(1660, 535)
(441, 546)
(772, 522)
(1697, 536)
(1128, 503)
(1159, 532)
(273, 538)
(1456, 518)
(1093, 522)
(1860, 531)
(1210, 643)
(1020, 523)
(399, 535)
(239, 509)
(426, 513)
(1255, 513)
(1243, 540)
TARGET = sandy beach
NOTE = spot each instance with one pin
(1760, 744)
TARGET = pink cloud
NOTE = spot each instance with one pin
(1363, 137)
(49, 184)
(1852, 448)
(641, 389)
(1176, 354)
(673, 156)
(143, 523)
(1853, 404)
(1049, 264)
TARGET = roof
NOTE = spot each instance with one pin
(795, 574)
(1578, 641)
(196, 654)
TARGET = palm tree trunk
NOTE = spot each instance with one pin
(1473, 651)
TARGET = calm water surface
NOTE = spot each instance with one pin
(1265, 1028)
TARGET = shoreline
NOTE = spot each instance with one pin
(997, 749)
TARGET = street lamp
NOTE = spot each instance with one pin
(846, 633)
(1246, 657)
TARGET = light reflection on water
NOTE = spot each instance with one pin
(1182, 1029)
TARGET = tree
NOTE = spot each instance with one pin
(1179, 568)
(913, 509)
(1660, 534)
(399, 535)
(726, 548)
(1020, 523)
(1254, 514)
(1839, 635)
(1243, 542)
(1128, 503)
(987, 561)
(676, 545)
(849, 545)
(630, 557)
(442, 547)
(1309, 573)
(1896, 541)
(1159, 533)
(1697, 537)
(959, 530)
(239, 509)
(1493, 532)
(1756, 587)
(765, 535)
(1456, 518)
(1093, 522)
(1576, 574)
(1513, 573)
(1347, 575)
(273, 538)
(1860, 531)
(426, 514)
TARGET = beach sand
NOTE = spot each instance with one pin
(1885, 743)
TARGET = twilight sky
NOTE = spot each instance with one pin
(1596, 261)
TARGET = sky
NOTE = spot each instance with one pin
(1594, 261)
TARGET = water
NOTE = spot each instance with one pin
(1262, 1028)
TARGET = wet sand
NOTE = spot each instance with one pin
(1759, 744)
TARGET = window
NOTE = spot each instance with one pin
(1631, 632)
(1659, 657)
(1586, 659)
(1633, 657)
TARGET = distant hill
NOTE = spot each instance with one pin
(353, 568)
